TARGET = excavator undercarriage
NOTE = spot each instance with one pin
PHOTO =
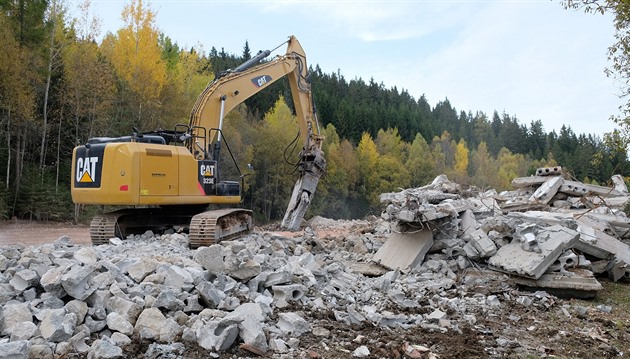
(204, 229)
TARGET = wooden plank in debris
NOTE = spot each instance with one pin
(404, 251)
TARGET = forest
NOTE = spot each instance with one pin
(60, 86)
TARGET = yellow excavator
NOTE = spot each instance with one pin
(168, 178)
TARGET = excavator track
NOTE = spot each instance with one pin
(103, 227)
(205, 228)
(214, 226)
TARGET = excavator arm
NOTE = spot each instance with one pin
(234, 87)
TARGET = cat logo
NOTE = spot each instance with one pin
(86, 169)
(207, 171)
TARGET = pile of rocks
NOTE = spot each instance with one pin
(549, 233)
(272, 293)
(278, 294)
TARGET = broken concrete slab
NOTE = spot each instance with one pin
(577, 283)
(527, 182)
(547, 190)
(579, 189)
(530, 262)
(549, 171)
(598, 243)
(619, 184)
(404, 251)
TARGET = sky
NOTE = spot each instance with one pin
(530, 59)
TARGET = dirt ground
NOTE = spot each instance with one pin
(35, 233)
(509, 331)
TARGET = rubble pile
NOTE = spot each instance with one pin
(549, 233)
(412, 284)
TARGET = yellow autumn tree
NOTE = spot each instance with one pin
(460, 171)
(137, 59)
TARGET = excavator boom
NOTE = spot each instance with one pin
(235, 86)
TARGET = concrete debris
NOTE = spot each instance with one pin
(527, 233)
(426, 263)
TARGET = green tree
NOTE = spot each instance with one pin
(273, 176)
(483, 168)
(421, 164)
(618, 55)
(389, 143)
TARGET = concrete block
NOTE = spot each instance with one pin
(209, 294)
(211, 258)
(170, 331)
(471, 252)
(618, 269)
(404, 251)
(14, 313)
(217, 336)
(406, 216)
(56, 325)
(292, 324)
(15, 350)
(141, 269)
(567, 260)
(41, 351)
(547, 190)
(619, 184)
(95, 325)
(104, 348)
(51, 281)
(279, 277)
(278, 346)
(192, 304)
(467, 224)
(246, 270)
(436, 315)
(253, 336)
(283, 294)
(118, 323)
(87, 255)
(126, 308)
(549, 171)
(168, 299)
(579, 189)
(246, 310)
(177, 277)
(79, 308)
(79, 282)
(120, 339)
(23, 331)
(484, 245)
(24, 279)
(551, 242)
(149, 323)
